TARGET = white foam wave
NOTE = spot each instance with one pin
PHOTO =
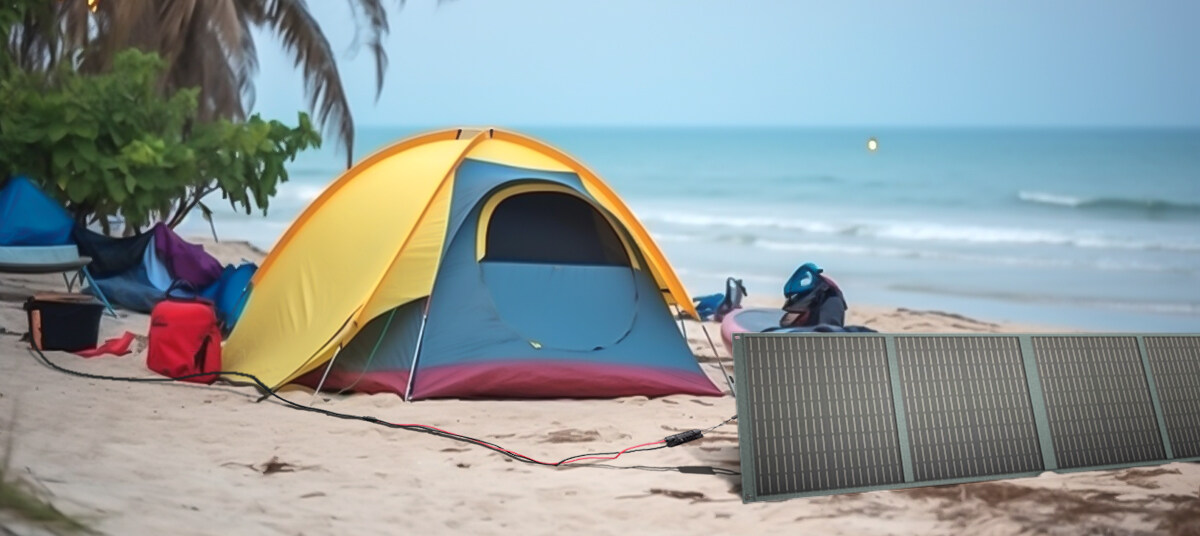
(1050, 199)
(948, 256)
(725, 222)
(916, 231)
(1131, 305)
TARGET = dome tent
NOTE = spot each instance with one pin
(468, 263)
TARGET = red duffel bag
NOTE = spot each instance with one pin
(185, 338)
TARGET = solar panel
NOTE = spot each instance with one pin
(1097, 400)
(822, 412)
(968, 407)
(1175, 362)
(831, 413)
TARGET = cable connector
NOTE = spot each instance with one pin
(683, 437)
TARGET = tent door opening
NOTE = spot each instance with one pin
(559, 274)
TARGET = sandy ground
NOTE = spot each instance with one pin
(182, 459)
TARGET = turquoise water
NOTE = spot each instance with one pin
(1091, 229)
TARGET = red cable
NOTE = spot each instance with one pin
(506, 451)
(618, 454)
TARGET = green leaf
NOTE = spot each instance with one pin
(57, 132)
(78, 190)
(61, 159)
(117, 193)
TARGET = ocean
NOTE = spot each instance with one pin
(1081, 229)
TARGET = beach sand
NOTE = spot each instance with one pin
(130, 458)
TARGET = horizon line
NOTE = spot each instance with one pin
(769, 126)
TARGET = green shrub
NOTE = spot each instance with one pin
(113, 144)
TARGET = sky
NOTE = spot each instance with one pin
(764, 63)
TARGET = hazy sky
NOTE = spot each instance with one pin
(783, 62)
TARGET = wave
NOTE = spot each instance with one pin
(1106, 265)
(740, 222)
(718, 228)
(1132, 306)
(810, 247)
(1154, 207)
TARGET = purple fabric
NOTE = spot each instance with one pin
(185, 261)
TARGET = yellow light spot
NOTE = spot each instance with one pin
(872, 144)
(93, 5)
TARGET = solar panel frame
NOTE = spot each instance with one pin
(1034, 390)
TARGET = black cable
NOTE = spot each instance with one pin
(723, 423)
(268, 392)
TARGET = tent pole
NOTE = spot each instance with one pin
(412, 371)
(325, 375)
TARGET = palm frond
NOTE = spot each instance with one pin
(310, 50)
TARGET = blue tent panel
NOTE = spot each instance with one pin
(28, 217)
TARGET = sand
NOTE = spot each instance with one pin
(130, 458)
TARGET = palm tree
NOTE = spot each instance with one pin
(206, 44)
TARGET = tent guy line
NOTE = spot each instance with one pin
(669, 441)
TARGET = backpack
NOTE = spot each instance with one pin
(812, 298)
(185, 338)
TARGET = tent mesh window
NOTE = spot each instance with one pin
(552, 228)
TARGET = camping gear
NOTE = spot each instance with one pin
(812, 299)
(35, 235)
(706, 305)
(135, 272)
(184, 338)
(759, 320)
(68, 322)
(497, 267)
(734, 292)
(184, 260)
(719, 305)
(28, 217)
(48, 260)
(228, 293)
(111, 256)
(814, 304)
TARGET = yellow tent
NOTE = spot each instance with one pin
(374, 239)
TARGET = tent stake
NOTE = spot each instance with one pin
(325, 375)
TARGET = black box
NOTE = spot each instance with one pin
(68, 322)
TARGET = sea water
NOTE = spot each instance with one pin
(1080, 229)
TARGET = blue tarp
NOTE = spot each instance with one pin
(29, 218)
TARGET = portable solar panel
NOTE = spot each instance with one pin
(822, 409)
(832, 413)
(968, 407)
(1176, 365)
(1097, 400)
